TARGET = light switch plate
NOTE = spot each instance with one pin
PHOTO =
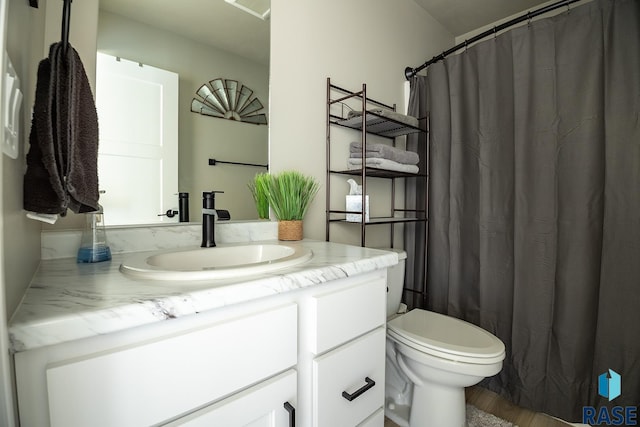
(12, 104)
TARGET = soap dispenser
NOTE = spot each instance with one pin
(93, 246)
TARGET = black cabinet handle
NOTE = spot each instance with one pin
(369, 383)
(292, 413)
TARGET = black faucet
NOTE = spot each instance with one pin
(208, 218)
(183, 202)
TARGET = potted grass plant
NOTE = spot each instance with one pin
(259, 188)
(290, 193)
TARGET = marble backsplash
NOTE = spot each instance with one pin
(64, 244)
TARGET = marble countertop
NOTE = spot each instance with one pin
(68, 301)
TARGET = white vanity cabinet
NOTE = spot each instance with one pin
(346, 343)
(313, 356)
(153, 375)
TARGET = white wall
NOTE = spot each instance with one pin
(353, 42)
(21, 240)
(25, 44)
(6, 393)
(30, 31)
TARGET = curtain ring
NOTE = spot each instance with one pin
(495, 33)
(528, 19)
(465, 45)
(568, 8)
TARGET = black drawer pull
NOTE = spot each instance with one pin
(292, 413)
(369, 383)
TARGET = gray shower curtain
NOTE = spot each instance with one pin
(534, 202)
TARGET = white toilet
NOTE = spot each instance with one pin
(431, 358)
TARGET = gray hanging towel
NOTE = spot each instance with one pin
(62, 162)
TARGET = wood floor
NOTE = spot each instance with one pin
(492, 403)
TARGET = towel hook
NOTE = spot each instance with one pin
(66, 21)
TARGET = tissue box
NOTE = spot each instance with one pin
(354, 203)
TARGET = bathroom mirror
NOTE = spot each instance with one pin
(200, 40)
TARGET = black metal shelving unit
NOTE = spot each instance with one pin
(368, 123)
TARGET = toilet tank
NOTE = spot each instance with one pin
(395, 282)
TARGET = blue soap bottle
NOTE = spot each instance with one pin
(93, 246)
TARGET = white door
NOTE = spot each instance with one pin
(138, 149)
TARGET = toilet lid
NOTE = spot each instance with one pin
(439, 334)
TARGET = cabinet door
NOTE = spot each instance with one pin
(262, 405)
(157, 381)
(348, 382)
(375, 420)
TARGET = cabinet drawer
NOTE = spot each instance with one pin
(346, 313)
(346, 369)
(149, 383)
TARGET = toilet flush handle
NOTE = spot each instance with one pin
(369, 383)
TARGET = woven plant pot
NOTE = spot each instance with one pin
(290, 230)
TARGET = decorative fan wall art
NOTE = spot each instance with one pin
(227, 99)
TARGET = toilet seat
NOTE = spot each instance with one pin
(446, 337)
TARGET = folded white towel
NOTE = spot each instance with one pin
(48, 218)
(378, 163)
(385, 152)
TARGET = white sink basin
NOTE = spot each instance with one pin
(223, 261)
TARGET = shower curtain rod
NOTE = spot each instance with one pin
(410, 72)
